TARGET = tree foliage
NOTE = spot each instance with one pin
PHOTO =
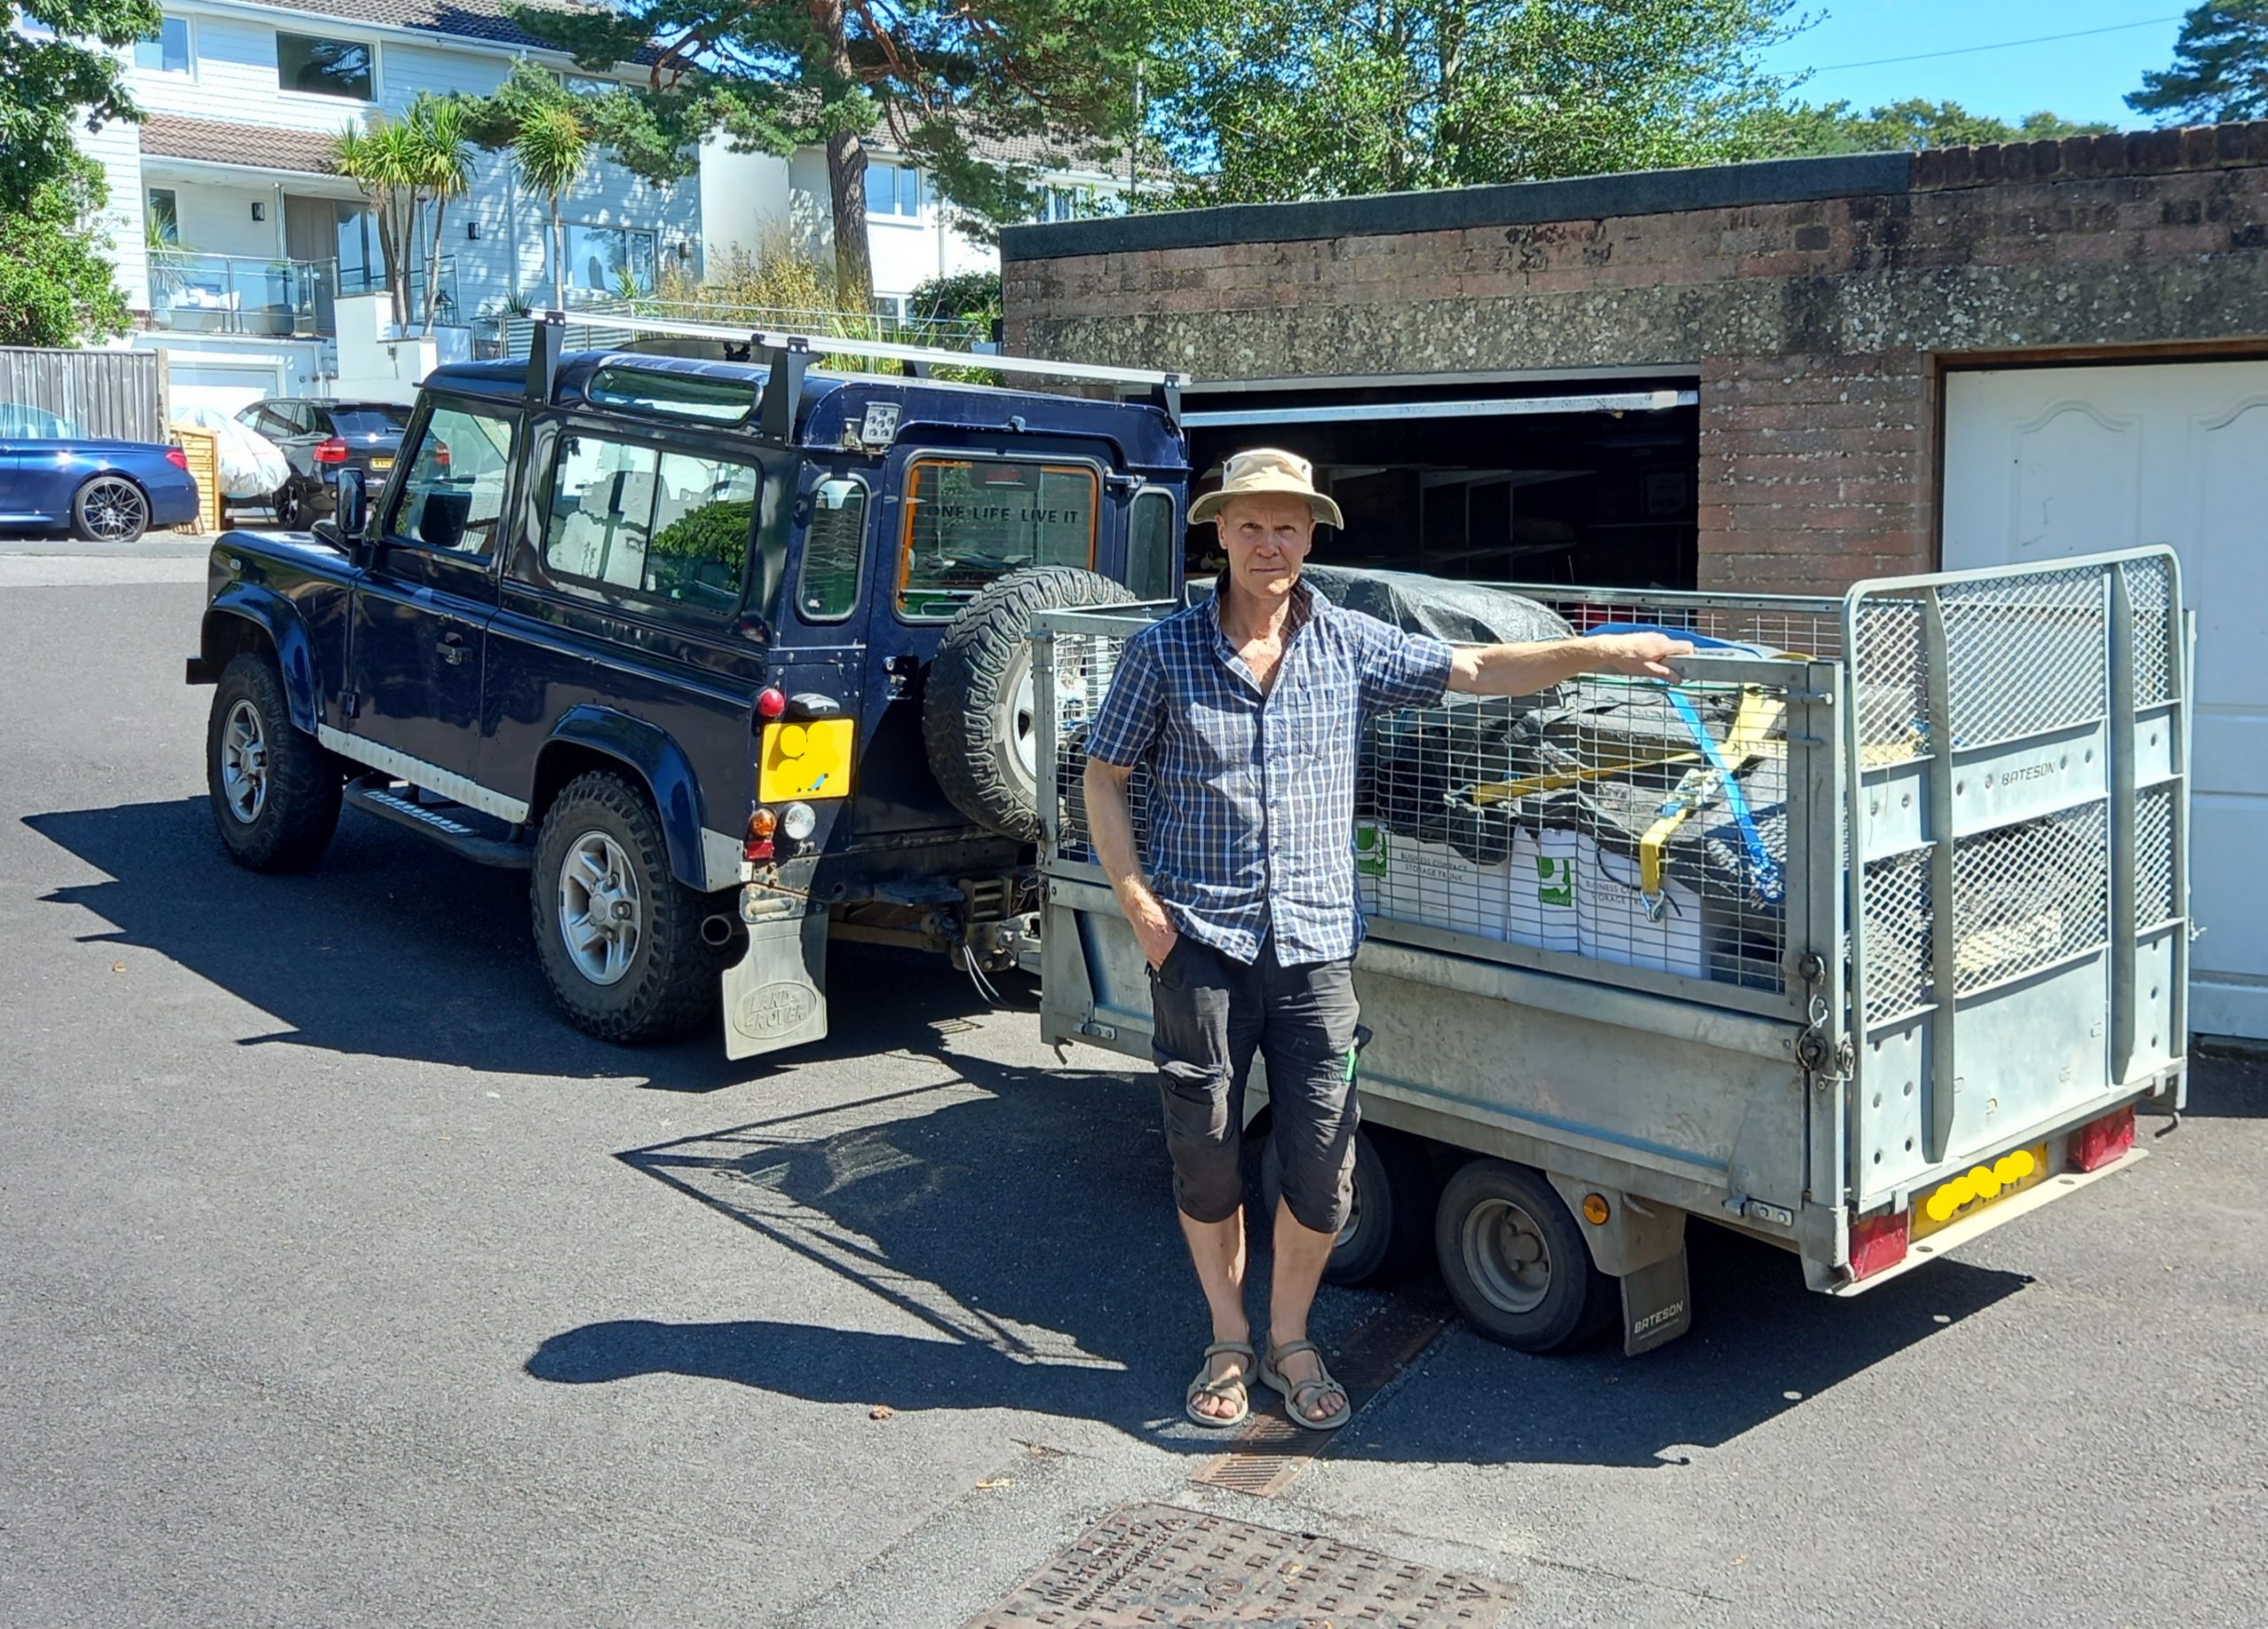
(1266, 99)
(56, 282)
(1800, 131)
(941, 79)
(405, 168)
(2220, 68)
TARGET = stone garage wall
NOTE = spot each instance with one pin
(1819, 299)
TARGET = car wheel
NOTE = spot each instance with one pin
(288, 509)
(274, 788)
(109, 509)
(1516, 1262)
(620, 938)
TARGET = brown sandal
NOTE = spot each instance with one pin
(1229, 1387)
(1299, 1393)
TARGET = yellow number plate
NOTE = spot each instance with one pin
(804, 761)
(1978, 1186)
(382, 463)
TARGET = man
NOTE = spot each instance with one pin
(1248, 709)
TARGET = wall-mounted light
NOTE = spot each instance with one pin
(472, 231)
(259, 210)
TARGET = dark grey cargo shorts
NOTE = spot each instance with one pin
(1212, 1013)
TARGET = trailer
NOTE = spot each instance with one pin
(1868, 936)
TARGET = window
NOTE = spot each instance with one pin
(969, 522)
(166, 52)
(673, 525)
(601, 257)
(379, 419)
(1068, 204)
(888, 307)
(455, 494)
(893, 189)
(1150, 538)
(834, 547)
(325, 67)
(676, 395)
(163, 213)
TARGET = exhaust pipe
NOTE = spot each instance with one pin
(717, 931)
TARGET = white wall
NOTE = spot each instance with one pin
(743, 196)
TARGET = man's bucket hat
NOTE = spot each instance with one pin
(1265, 471)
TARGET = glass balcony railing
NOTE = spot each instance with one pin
(372, 280)
(241, 294)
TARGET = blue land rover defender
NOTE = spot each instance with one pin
(728, 654)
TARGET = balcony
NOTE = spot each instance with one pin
(244, 294)
(241, 294)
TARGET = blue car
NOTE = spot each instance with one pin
(53, 474)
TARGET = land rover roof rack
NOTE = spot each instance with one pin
(787, 355)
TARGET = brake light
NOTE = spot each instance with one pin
(761, 824)
(330, 452)
(441, 453)
(178, 459)
(2097, 1143)
(1877, 1243)
(771, 703)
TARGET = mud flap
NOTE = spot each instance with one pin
(775, 996)
(1657, 1305)
(1641, 1246)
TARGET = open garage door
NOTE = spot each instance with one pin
(1552, 477)
(226, 386)
(2045, 462)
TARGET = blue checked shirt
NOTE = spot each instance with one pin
(1252, 796)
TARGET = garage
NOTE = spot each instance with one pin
(1559, 477)
(223, 386)
(2042, 463)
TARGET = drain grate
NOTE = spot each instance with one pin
(1268, 1450)
(1167, 1568)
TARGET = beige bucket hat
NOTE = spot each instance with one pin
(1267, 469)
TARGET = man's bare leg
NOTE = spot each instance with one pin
(1300, 1256)
(1217, 1250)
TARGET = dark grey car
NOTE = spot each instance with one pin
(320, 439)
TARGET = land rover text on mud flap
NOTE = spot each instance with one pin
(727, 655)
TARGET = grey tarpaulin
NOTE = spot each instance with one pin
(1461, 613)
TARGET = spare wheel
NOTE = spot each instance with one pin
(978, 720)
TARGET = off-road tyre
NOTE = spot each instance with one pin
(1390, 1230)
(669, 984)
(296, 810)
(975, 719)
(1568, 1302)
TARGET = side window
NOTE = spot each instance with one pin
(673, 525)
(835, 545)
(454, 495)
(1150, 537)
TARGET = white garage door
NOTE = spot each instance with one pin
(2049, 462)
(224, 385)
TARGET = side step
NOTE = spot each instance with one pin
(450, 825)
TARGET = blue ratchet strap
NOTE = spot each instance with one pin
(1764, 870)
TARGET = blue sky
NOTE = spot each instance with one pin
(2080, 78)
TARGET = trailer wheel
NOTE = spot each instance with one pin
(1387, 1231)
(1515, 1261)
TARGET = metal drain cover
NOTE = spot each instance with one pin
(1161, 1567)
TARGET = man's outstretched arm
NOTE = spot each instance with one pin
(1523, 670)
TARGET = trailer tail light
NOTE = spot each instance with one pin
(178, 459)
(2097, 1143)
(1877, 1243)
(330, 452)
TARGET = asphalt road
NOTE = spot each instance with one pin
(342, 1285)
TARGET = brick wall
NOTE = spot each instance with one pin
(1819, 324)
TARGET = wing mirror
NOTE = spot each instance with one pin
(345, 526)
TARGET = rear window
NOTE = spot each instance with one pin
(370, 421)
(969, 521)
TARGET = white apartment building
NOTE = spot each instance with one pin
(231, 172)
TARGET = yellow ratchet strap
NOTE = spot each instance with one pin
(1759, 714)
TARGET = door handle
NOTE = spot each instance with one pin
(452, 649)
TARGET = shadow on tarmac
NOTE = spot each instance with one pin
(391, 948)
(1018, 1219)
(1026, 1224)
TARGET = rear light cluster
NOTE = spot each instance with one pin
(796, 823)
(1877, 1243)
(332, 451)
(178, 459)
(2097, 1143)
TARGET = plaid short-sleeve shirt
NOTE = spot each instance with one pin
(1252, 795)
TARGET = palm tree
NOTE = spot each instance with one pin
(444, 165)
(384, 160)
(552, 145)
